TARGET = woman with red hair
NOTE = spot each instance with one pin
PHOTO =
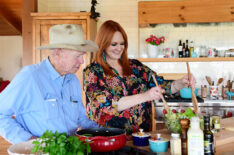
(119, 90)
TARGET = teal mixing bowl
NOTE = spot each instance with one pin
(186, 92)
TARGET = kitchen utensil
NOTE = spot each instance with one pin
(103, 139)
(219, 81)
(163, 99)
(140, 138)
(186, 92)
(209, 80)
(153, 116)
(194, 99)
(153, 108)
(214, 92)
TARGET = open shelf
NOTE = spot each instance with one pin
(205, 59)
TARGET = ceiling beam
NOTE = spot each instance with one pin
(28, 6)
(11, 20)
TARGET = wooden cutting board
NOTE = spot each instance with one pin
(226, 134)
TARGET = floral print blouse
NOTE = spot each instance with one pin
(103, 90)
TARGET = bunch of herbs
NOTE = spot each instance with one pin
(60, 144)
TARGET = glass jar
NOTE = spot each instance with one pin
(175, 144)
(216, 123)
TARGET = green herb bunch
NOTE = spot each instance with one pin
(60, 144)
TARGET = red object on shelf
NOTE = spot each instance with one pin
(3, 85)
(229, 114)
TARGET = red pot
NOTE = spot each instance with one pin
(103, 139)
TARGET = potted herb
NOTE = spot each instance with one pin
(59, 143)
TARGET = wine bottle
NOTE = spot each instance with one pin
(180, 49)
(183, 49)
(187, 50)
(208, 137)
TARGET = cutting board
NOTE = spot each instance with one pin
(226, 134)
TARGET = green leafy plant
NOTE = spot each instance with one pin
(60, 144)
(172, 118)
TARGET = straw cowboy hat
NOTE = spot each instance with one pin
(69, 36)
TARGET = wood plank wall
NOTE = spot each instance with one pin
(185, 11)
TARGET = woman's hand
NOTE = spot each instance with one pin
(184, 82)
(187, 83)
(154, 93)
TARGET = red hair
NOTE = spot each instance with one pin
(103, 40)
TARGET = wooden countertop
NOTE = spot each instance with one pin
(224, 139)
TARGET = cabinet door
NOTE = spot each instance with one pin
(42, 38)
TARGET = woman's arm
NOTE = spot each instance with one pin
(130, 101)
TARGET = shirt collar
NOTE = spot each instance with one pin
(54, 74)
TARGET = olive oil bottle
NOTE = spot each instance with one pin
(208, 137)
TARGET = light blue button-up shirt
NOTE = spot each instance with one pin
(41, 99)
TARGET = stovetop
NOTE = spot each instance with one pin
(173, 98)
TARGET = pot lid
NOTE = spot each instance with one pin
(141, 134)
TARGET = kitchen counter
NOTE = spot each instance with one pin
(224, 141)
(207, 102)
(211, 107)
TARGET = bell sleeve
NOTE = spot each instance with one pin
(100, 98)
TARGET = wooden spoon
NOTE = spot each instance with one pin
(220, 81)
(194, 98)
(209, 80)
(163, 99)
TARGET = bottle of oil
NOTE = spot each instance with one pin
(187, 53)
(195, 138)
(208, 137)
(191, 49)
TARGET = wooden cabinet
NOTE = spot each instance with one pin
(43, 21)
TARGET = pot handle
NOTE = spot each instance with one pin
(100, 138)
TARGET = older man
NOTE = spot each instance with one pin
(47, 95)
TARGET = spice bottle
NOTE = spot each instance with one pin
(195, 138)
(184, 123)
(175, 144)
(224, 90)
(204, 91)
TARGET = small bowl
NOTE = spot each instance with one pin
(186, 92)
(158, 145)
(23, 148)
(140, 140)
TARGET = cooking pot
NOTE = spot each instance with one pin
(141, 138)
(103, 139)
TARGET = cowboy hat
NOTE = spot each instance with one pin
(69, 36)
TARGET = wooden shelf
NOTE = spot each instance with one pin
(205, 59)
